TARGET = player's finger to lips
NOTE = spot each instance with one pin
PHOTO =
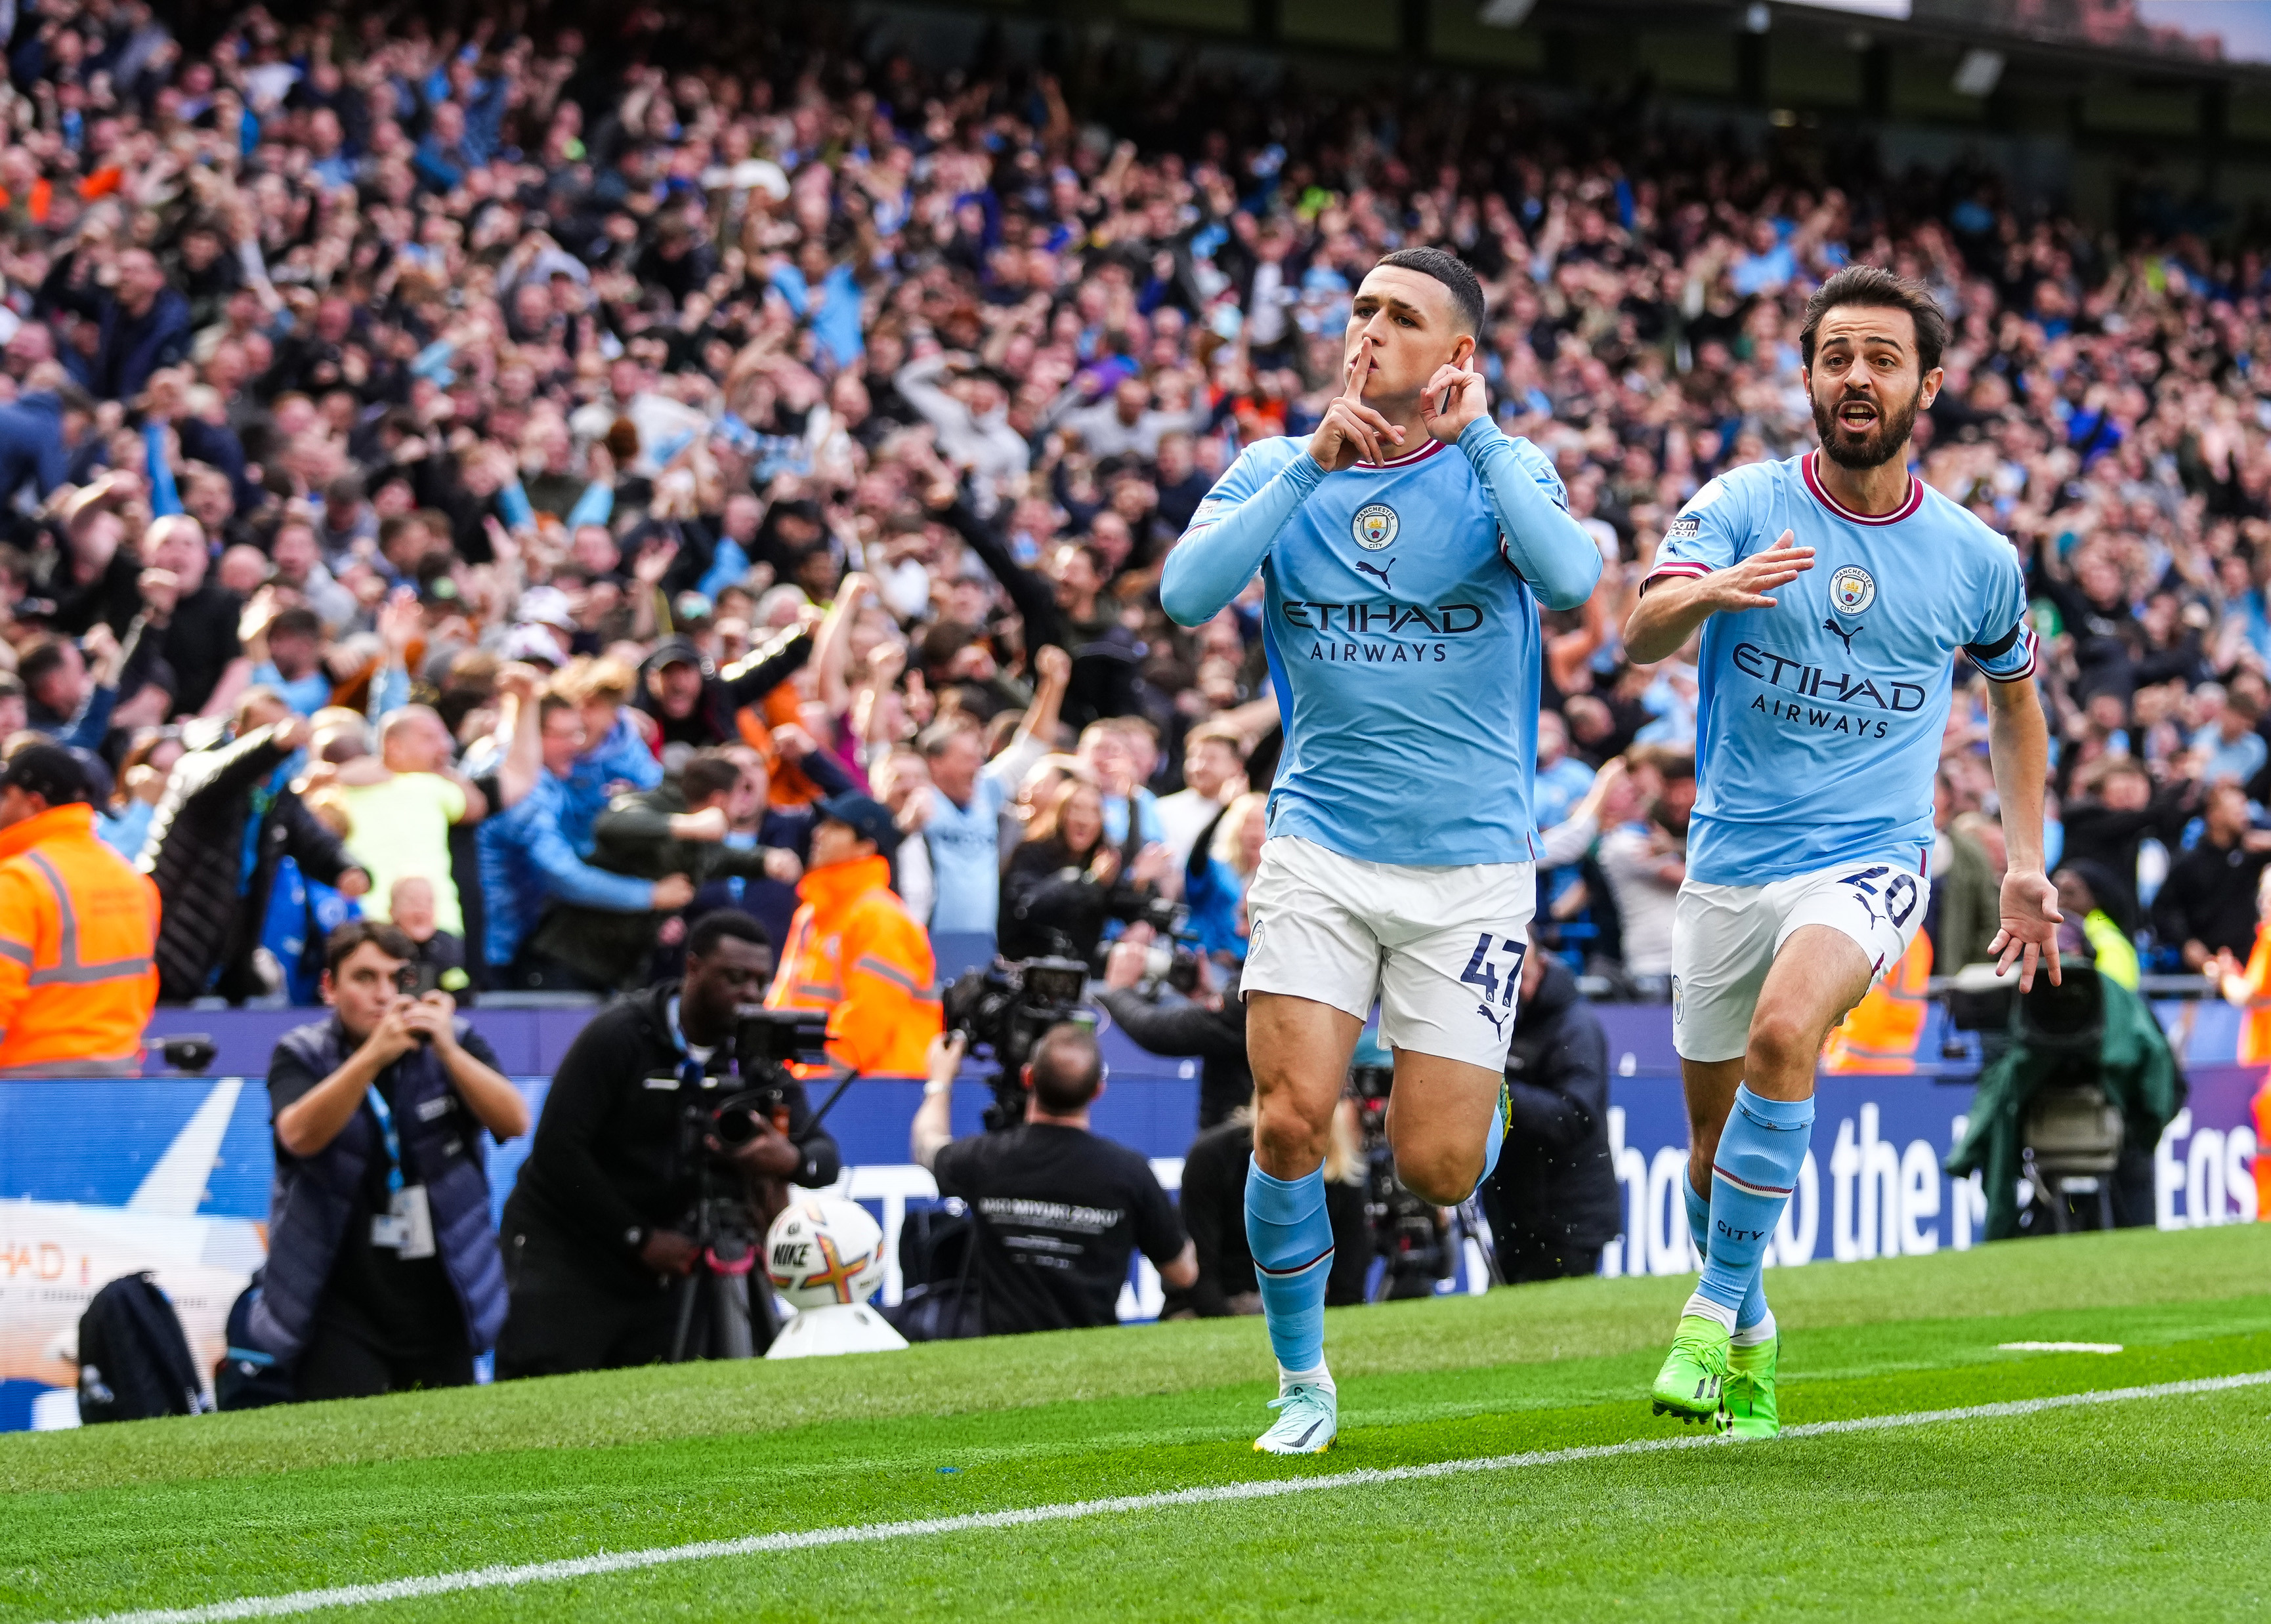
(1358, 368)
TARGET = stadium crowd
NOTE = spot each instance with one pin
(505, 483)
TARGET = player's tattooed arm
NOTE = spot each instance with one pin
(1672, 606)
(2018, 743)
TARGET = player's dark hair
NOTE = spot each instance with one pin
(388, 938)
(1067, 1069)
(1452, 272)
(714, 926)
(1871, 285)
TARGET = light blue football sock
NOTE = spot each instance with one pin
(1699, 1225)
(1760, 1151)
(1493, 1138)
(1292, 1239)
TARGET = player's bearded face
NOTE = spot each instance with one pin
(1862, 428)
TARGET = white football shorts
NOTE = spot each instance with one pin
(1440, 948)
(1725, 937)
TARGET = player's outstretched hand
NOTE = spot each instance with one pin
(1454, 398)
(1352, 432)
(1751, 583)
(2031, 922)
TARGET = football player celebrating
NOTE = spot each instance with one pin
(1404, 549)
(1833, 591)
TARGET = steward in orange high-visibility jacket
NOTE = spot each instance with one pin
(78, 928)
(854, 951)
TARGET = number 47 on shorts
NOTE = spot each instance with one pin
(1481, 972)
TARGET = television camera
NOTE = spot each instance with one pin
(764, 1044)
(1003, 1009)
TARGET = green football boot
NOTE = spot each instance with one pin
(1750, 1392)
(1694, 1375)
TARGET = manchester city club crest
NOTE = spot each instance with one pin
(1374, 526)
(1852, 590)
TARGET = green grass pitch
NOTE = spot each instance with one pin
(2151, 1506)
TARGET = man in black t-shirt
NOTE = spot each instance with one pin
(1058, 1210)
(196, 617)
(378, 1113)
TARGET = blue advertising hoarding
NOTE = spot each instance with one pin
(99, 1178)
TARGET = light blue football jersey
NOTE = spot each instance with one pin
(1819, 725)
(1406, 649)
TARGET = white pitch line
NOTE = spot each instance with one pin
(2059, 1348)
(298, 1602)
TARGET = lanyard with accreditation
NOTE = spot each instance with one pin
(407, 1227)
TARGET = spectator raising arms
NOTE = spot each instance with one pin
(750, 407)
(222, 803)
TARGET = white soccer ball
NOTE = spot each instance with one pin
(824, 1249)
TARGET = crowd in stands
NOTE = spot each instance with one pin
(500, 482)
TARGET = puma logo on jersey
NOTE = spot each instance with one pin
(1376, 570)
(1498, 1022)
(1830, 625)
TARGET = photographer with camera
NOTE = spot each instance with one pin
(1056, 1208)
(1202, 1023)
(382, 1272)
(634, 1158)
(1066, 879)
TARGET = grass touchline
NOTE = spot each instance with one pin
(301, 1602)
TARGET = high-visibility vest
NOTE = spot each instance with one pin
(78, 928)
(2255, 1019)
(854, 951)
(1879, 1035)
(2262, 1155)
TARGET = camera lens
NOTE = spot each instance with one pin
(737, 1124)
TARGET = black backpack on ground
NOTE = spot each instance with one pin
(939, 1303)
(247, 1377)
(133, 1360)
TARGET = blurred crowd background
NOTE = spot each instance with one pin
(420, 436)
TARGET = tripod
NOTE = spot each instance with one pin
(740, 1322)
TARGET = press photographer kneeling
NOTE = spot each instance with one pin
(1056, 1208)
(636, 1182)
(381, 1272)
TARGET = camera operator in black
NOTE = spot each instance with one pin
(1056, 1208)
(596, 1248)
(1553, 1203)
(1208, 1026)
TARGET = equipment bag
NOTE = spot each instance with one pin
(133, 1360)
(936, 1245)
(248, 1377)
